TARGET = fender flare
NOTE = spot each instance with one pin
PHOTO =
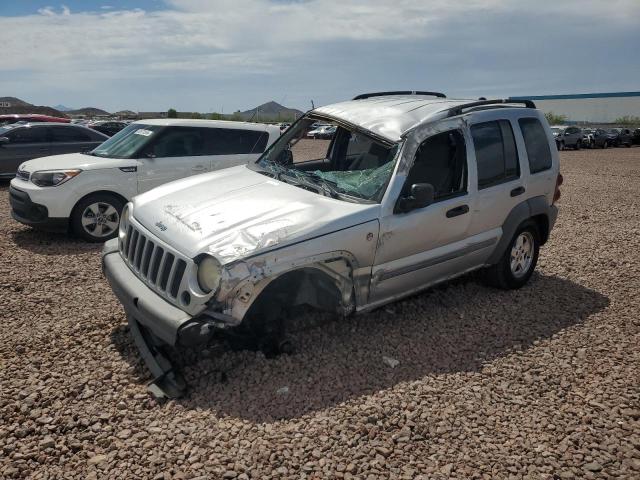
(533, 207)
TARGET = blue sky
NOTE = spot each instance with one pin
(224, 55)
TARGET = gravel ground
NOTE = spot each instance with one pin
(539, 383)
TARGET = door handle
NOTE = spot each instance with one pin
(198, 168)
(517, 191)
(454, 212)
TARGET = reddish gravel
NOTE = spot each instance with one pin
(541, 383)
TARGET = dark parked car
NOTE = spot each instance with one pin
(568, 137)
(604, 138)
(622, 137)
(109, 128)
(22, 142)
(636, 136)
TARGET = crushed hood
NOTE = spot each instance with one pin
(75, 160)
(236, 212)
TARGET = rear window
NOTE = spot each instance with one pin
(536, 143)
(496, 154)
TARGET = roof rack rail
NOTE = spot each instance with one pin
(399, 92)
(457, 110)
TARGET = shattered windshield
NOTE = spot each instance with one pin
(335, 161)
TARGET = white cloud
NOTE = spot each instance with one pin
(235, 38)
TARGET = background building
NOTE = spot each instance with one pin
(589, 107)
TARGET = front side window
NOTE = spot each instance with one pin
(536, 143)
(342, 162)
(496, 154)
(440, 160)
(127, 142)
(28, 135)
(177, 142)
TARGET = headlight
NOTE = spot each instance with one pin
(209, 273)
(124, 220)
(53, 178)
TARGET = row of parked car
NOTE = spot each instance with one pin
(221, 227)
(577, 138)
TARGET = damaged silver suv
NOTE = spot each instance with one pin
(412, 189)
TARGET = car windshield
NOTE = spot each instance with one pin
(345, 163)
(555, 129)
(127, 142)
(614, 130)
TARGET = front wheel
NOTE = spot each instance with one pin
(96, 218)
(518, 261)
(578, 144)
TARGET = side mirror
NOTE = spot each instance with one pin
(4, 140)
(421, 196)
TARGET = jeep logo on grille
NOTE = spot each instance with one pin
(161, 226)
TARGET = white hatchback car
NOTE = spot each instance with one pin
(85, 192)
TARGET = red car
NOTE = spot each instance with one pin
(31, 117)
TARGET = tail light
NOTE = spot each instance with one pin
(556, 194)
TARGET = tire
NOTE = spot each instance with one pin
(518, 261)
(561, 146)
(96, 218)
(605, 144)
(578, 144)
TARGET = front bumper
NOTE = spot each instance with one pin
(25, 211)
(155, 324)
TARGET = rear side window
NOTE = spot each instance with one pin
(535, 140)
(228, 141)
(496, 154)
(28, 135)
(69, 134)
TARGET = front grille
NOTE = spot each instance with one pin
(159, 268)
(23, 175)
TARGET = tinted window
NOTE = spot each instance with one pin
(28, 135)
(227, 141)
(440, 160)
(496, 153)
(178, 142)
(535, 140)
(69, 134)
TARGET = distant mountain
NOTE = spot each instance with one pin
(88, 111)
(15, 102)
(15, 105)
(270, 111)
(62, 108)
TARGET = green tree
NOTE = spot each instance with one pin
(195, 115)
(628, 120)
(215, 116)
(554, 119)
(171, 113)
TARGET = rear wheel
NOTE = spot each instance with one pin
(518, 261)
(605, 144)
(578, 144)
(96, 217)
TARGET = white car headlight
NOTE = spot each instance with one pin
(53, 178)
(209, 274)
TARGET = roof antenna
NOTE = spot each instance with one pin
(313, 107)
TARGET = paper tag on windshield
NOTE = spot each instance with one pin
(142, 131)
